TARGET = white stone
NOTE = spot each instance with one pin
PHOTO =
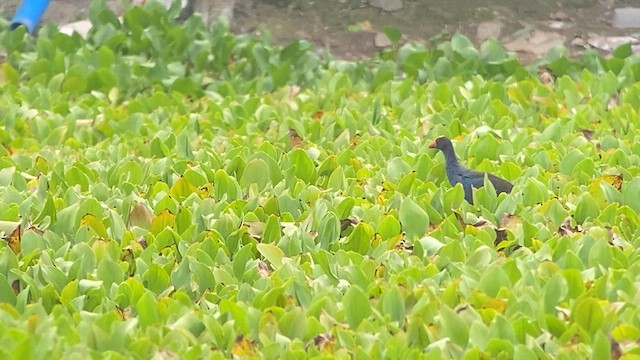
(381, 40)
(626, 18)
(386, 5)
(487, 29)
(537, 43)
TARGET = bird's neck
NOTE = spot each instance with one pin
(450, 157)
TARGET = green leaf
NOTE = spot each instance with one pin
(393, 34)
(157, 279)
(294, 324)
(257, 172)
(303, 166)
(492, 280)
(554, 292)
(629, 189)
(454, 327)
(587, 208)
(389, 227)
(240, 259)
(272, 231)
(356, 306)
(203, 274)
(393, 305)
(147, 309)
(462, 45)
(7, 294)
(588, 314)
(109, 272)
(601, 347)
(414, 219)
(272, 253)
(360, 239)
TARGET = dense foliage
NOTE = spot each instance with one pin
(172, 191)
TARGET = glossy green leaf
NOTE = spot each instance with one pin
(356, 306)
(414, 219)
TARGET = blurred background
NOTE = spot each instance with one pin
(352, 29)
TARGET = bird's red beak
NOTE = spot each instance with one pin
(432, 145)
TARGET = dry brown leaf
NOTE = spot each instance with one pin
(143, 242)
(125, 314)
(613, 180)
(15, 285)
(263, 269)
(323, 341)
(501, 235)
(566, 229)
(588, 134)
(255, 228)
(294, 90)
(346, 223)
(13, 240)
(546, 77)
(614, 101)
(616, 353)
(460, 219)
(483, 223)
(294, 139)
(36, 230)
(616, 240)
(140, 216)
(510, 221)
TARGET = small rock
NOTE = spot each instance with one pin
(626, 18)
(538, 43)
(487, 29)
(81, 27)
(610, 43)
(381, 40)
(386, 5)
(578, 41)
(559, 16)
(559, 25)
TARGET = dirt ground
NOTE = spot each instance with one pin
(348, 27)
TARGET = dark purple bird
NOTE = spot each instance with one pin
(469, 179)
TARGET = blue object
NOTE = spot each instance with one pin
(469, 179)
(29, 14)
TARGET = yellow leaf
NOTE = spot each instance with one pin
(163, 220)
(182, 189)
(205, 191)
(92, 222)
(42, 165)
(354, 140)
(10, 74)
(496, 304)
(613, 180)
(379, 272)
(243, 347)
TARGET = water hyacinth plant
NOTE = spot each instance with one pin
(170, 190)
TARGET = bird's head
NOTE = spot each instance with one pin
(441, 143)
